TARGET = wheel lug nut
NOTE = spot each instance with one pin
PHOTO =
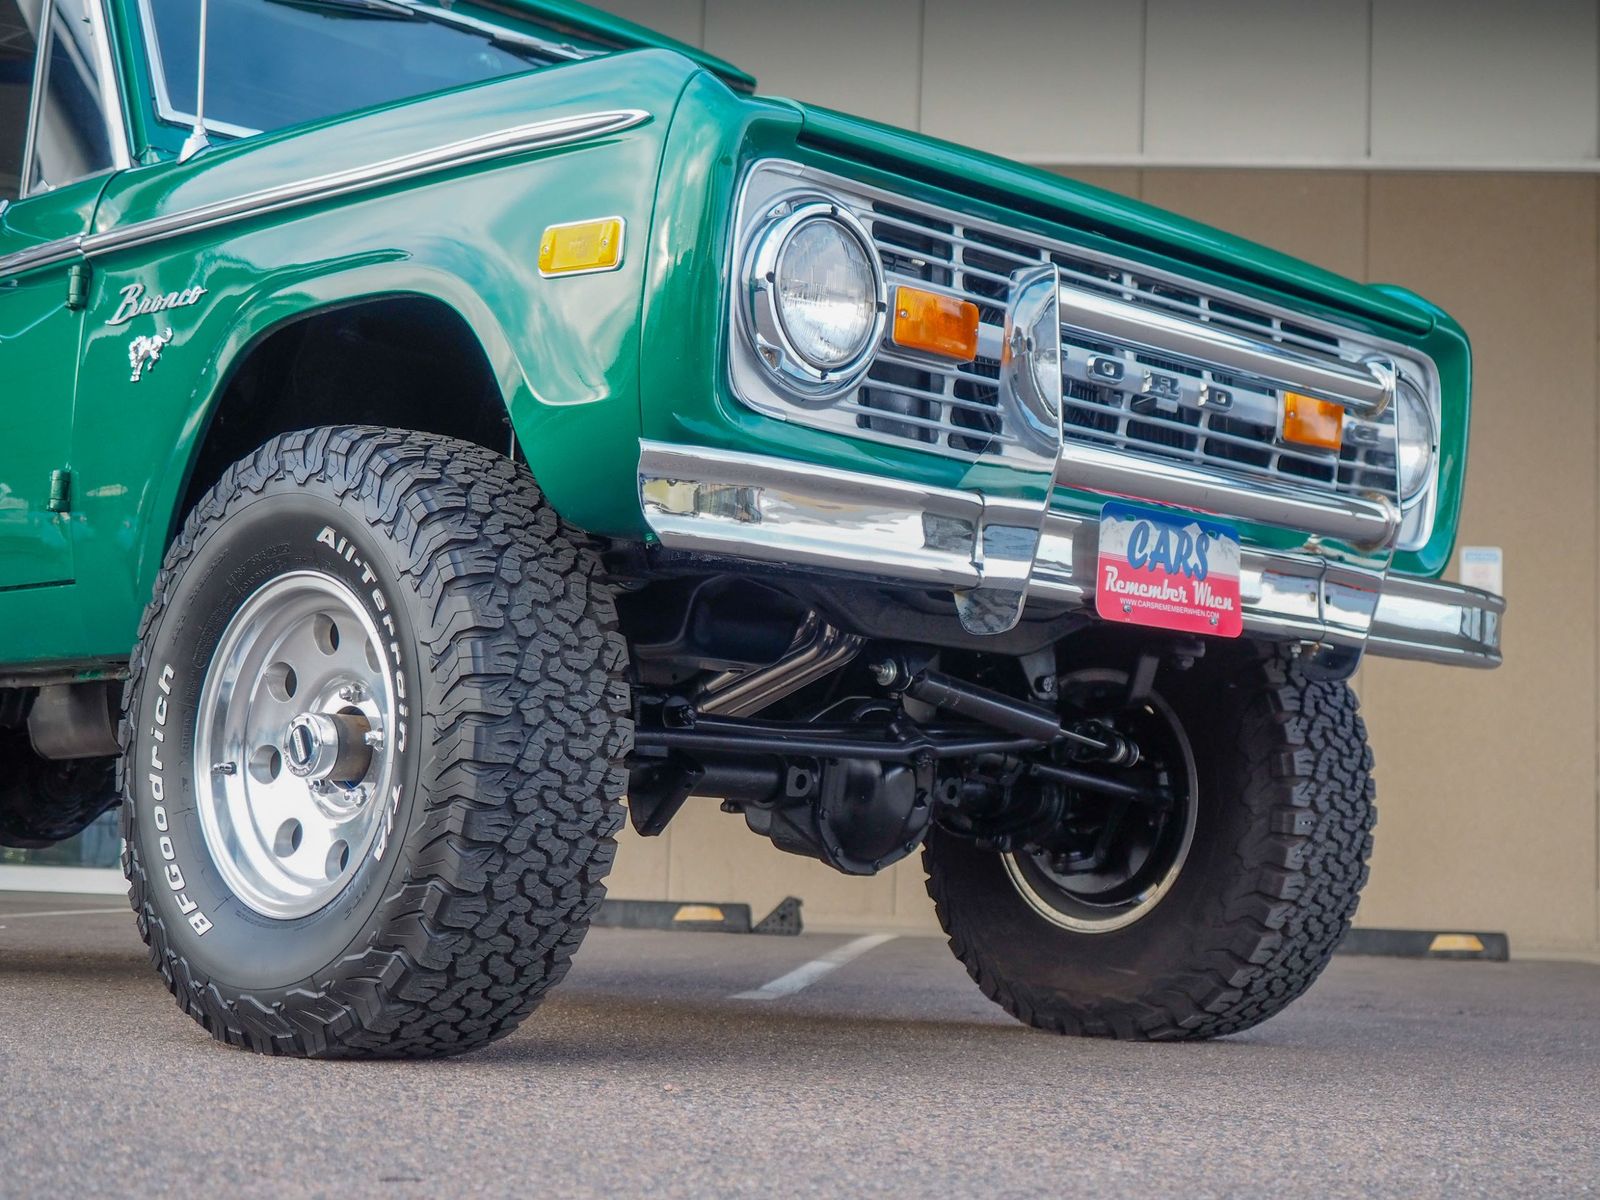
(224, 768)
(352, 693)
(373, 738)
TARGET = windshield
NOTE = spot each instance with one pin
(272, 63)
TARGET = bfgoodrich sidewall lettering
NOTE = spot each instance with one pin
(219, 936)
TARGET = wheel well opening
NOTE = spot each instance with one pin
(408, 362)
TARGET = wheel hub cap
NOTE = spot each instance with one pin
(290, 757)
(323, 746)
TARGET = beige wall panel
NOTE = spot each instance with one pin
(1059, 80)
(681, 19)
(1315, 215)
(709, 855)
(715, 857)
(643, 866)
(1487, 780)
(1484, 80)
(913, 907)
(863, 58)
(1256, 79)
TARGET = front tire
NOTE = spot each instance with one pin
(373, 749)
(1262, 895)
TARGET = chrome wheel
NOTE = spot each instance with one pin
(291, 762)
(1116, 861)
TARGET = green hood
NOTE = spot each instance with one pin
(1063, 201)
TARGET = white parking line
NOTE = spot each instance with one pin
(804, 976)
(66, 912)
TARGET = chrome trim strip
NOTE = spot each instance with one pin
(487, 147)
(540, 135)
(45, 254)
(1357, 522)
(1367, 392)
(770, 510)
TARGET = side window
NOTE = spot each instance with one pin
(19, 20)
(71, 141)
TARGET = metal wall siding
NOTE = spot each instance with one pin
(1474, 84)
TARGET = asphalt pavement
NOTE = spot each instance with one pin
(702, 1065)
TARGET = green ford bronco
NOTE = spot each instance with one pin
(424, 424)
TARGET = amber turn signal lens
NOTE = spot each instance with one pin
(581, 247)
(938, 324)
(1312, 422)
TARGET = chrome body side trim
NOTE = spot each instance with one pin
(540, 135)
(503, 143)
(45, 254)
(767, 510)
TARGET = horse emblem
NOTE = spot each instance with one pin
(145, 352)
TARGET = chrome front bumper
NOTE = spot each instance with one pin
(770, 510)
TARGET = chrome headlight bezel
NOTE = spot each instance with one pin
(1411, 408)
(804, 379)
(1416, 384)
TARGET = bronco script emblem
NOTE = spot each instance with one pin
(145, 352)
(137, 303)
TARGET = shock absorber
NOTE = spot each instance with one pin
(946, 692)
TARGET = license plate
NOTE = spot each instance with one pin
(1168, 569)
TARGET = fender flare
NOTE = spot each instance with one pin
(288, 298)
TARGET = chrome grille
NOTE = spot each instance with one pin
(951, 408)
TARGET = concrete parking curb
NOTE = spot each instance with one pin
(1424, 943)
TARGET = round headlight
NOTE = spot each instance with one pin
(827, 294)
(817, 306)
(1416, 441)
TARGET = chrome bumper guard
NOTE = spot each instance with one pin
(769, 510)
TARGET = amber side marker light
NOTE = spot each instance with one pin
(582, 247)
(1308, 421)
(937, 324)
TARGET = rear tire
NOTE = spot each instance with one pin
(467, 630)
(45, 801)
(1265, 893)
